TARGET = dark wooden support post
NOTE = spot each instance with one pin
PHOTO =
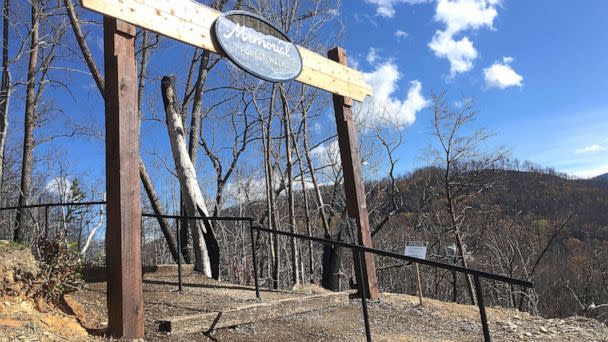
(353, 181)
(123, 233)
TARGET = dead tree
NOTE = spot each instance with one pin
(206, 248)
(30, 120)
(269, 181)
(5, 88)
(461, 162)
(295, 252)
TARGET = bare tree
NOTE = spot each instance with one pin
(5, 87)
(41, 57)
(206, 249)
(461, 160)
(295, 253)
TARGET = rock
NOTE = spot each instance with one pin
(544, 330)
(512, 326)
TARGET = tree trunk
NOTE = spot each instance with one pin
(87, 244)
(157, 207)
(313, 177)
(275, 251)
(306, 212)
(5, 89)
(84, 47)
(205, 245)
(456, 229)
(332, 258)
(143, 172)
(30, 124)
(195, 125)
(295, 255)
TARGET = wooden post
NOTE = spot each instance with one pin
(353, 181)
(123, 233)
(419, 283)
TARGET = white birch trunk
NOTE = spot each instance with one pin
(83, 252)
(191, 192)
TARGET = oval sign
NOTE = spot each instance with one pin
(256, 46)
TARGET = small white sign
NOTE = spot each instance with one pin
(415, 249)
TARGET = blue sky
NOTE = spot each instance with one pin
(547, 103)
(537, 70)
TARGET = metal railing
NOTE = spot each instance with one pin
(178, 218)
(47, 206)
(360, 250)
(357, 249)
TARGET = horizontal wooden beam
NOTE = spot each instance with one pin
(251, 313)
(191, 22)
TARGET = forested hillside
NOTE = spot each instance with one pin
(530, 225)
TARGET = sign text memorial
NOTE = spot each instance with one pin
(258, 47)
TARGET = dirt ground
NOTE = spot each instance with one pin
(394, 317)
(398, 318)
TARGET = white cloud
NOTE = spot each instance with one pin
(595, 148)
(501, 75)
(386, 8)
(58, 186)
(327, 154)
(384, 106)
(400, 34)
(241, 190)
(590, 173)
(372, 56)
(460, 53)
(459, 16)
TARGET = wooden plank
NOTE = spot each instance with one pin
(354, 188)
(123, 233)
(250, 313)
(191, 22)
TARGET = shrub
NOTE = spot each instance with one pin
(61, 270)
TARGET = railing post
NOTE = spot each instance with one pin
(363, 294)
(255, 262)
(179, 257)
(482, 309)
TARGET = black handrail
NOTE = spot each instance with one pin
(41, 205)
(450, 267)
(46, 207)
(360, 250)
(477, 274)
(210, 218)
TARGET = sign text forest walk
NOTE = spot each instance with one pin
(258, 47)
